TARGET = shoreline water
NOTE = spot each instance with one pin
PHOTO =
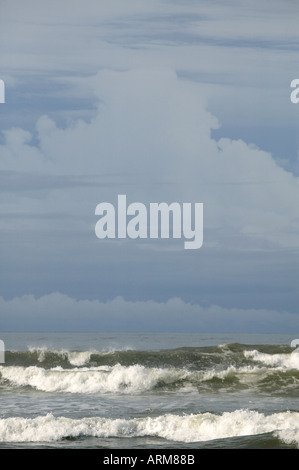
(132, 390)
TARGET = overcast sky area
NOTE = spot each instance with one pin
(163, 101)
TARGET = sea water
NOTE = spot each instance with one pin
(149, 390)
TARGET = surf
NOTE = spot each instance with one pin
(188, 428)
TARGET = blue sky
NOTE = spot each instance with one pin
(161, 101)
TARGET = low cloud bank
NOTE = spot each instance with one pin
(59, 312)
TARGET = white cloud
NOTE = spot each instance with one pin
(58, 312)
(221, 43)
(151, 79)
(151, 138)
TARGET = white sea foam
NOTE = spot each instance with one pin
(285, 361)
(121, 379)
(103, 379)
(79, 358)
(187, 428)
(76, 358)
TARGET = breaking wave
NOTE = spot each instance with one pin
(187, 428)
(138, 379)
(230, 367)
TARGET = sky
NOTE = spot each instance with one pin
(161, 101)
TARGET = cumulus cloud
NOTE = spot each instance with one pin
(146, 101)
(60, 312)
(151, 137)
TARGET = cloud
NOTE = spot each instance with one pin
(59, 312)
(151, 138)
(159, 101)
(211, 42)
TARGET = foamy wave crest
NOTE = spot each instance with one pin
(190, 428)
(76, 358)
(136, 378)
(285, 361)
(103, 379)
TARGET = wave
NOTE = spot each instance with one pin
(188, 428)
(192, 358)
(286, 361)
(137, 379)
(51, 358)
(229, 367)
(102, 379)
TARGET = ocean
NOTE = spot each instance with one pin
(149, 391)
